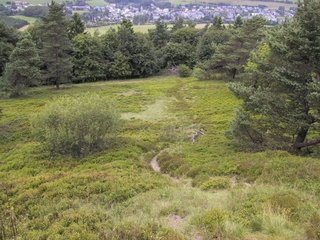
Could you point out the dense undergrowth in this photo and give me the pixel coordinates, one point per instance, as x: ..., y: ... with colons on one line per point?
x: 218, y: 191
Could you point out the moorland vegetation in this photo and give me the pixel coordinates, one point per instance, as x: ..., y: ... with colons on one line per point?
x: 75, y: 158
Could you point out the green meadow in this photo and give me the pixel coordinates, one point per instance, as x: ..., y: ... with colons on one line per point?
x: 208, y: 189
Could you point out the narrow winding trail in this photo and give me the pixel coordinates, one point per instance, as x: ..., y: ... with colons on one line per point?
x: 154, y: 164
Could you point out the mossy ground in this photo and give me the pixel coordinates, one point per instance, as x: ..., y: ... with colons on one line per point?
x: 114, y: 194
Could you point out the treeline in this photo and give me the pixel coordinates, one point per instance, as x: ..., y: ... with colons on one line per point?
x: 57, y: 50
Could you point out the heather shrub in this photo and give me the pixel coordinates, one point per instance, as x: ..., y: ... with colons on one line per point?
x: 212, y: 222
x: 216, y: 183
x: 76, y: 126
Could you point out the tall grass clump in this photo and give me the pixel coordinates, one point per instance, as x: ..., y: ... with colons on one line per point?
x: 76, y: 126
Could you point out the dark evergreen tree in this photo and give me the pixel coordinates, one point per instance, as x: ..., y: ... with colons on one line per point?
x: 210, y: 41
x: 76, y: 26
x: 87, y: 58
x: 160, y: 36
x: 217, y: 22
x: 281, y: 95
x: 231, y: 57
x: 179, y: 23
x: 22, y: 70
x: 56, y: 46
x: 8, y: 39
x: 238, y: 22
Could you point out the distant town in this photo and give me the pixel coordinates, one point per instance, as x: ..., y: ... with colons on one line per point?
x: 148, y: 13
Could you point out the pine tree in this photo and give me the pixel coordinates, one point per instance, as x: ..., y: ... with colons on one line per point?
x: 8, y: 39
x: 179, y: 23
x: 56, y: 45
x: 217, y: 22
x: 281, y: 95
x: 76, y: 26
x: 160, y: 36
x: 22, y: 70
x: 238, y: 22
x: 232, y: 56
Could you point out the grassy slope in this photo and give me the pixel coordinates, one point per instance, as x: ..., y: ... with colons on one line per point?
x: 115, y: 194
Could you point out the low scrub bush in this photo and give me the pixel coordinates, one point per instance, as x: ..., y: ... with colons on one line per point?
x: 201, y: 74
x: 184, y: 71
x: 212, y: 222
x: 170, y: 163
x: 216, y: 183
x: 76, y: 125
x: 199, y: 179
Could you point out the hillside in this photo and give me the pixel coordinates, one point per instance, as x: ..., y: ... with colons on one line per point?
x: 204, y: 190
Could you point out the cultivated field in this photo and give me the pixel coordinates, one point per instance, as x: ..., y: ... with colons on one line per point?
x: 137, y: 28
x: 204, y: 190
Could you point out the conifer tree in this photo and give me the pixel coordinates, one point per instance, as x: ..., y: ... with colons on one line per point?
x: 238, y: 22
x: 56, y: 45
x: 22, y: 70
x: 76, y: 26
x: 8, y: 39
x: 232, y: 56
x: 217, y: 22
x: 160, y: 36
x: 281, y: 95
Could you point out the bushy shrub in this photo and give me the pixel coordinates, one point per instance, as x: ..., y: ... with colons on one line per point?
x: 76, y: 125
x: 199, y: 179
x: 212, y: 222
x: 184, y: 71
x: 201, y: 74
x: 170, y: 163
x: 216, y: 183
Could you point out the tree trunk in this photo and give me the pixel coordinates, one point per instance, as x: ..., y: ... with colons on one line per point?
x: 301, y: 137
x: 234, y: 73
x: 57, y: 84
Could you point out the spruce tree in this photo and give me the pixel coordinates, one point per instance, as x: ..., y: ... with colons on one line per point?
x: 56, y: 45
x: 76, y: 26
x: 8, y: 39
x: 217, y: 22
x: 281, y: 94
x: 160, y: 36
x: 22, y: 70
x: 232, y: 56
x: 238, y: 22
